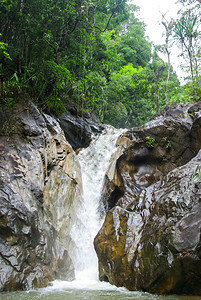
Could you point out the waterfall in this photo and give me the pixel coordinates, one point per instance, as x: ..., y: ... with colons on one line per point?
x: 94, y: 162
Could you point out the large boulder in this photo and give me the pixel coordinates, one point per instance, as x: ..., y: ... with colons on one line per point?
x: 150, y: 239
x: 145, y: 154
x: 79, y: 131
x: 39, y: 180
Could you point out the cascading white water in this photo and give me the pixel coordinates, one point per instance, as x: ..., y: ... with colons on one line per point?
x: 94, y: 162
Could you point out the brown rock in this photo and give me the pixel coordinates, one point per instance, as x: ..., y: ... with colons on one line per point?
x: 150, y: 239
x: 147, y: 153
x: 39, y: 180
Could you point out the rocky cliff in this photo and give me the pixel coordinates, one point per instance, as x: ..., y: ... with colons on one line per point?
x: 150, y: 239
x: 39, y: 180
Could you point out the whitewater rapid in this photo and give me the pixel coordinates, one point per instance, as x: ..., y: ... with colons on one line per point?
x: 94, y: 162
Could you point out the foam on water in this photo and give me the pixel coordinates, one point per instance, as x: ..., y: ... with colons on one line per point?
x: 84, y: 284
x: 94, y: 162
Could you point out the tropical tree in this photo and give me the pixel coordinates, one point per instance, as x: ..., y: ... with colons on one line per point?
x: 93, y: 54
x: 53, y: 44
x: 168, y: 31
x: 186, y: 31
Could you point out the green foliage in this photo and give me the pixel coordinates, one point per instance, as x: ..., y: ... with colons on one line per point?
x: 186, y: 31
x: 49, y: 85
x: 150, y: 141
x: 197, y: 175
x: 54, y: 47
x: 142, y: 91
x: 92, y: 53
x: 89, y: 92
x: 55, y: 105
x: 3, y: 51
x: 116, y: 114
x: 134, y: 46
x: 130, y: 87
x: 9, y: 102
x: 111, y: 59
x: 168, y: 143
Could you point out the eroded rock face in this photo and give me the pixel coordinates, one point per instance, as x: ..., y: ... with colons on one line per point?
x: 150, y: 239
x: 39, y: 180
x: 145, y: 154
x: 79, y: 131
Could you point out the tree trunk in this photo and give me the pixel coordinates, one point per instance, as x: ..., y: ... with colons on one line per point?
x: 167, y: 33
x: 168, y: 76
x: 1, y: 86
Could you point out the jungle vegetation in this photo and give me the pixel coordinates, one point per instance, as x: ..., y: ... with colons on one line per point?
x: 93, y: 55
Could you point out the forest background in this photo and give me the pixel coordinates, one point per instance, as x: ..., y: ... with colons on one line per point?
x: 92, y: 56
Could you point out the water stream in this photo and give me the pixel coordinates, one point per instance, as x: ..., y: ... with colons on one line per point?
x: 94, y: 162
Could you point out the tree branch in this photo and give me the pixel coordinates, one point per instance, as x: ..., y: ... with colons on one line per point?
x: 107, y: 23
x: 112, y: 14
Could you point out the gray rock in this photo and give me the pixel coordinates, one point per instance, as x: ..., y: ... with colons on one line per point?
x: 38, y: 169
x: 150, y: 239
x: 79, y: 131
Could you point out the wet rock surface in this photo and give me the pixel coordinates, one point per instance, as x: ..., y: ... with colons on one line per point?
x: 39, y: 179
x: 79, y: 131
x: 145, y: 154
x: 150, y: 239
